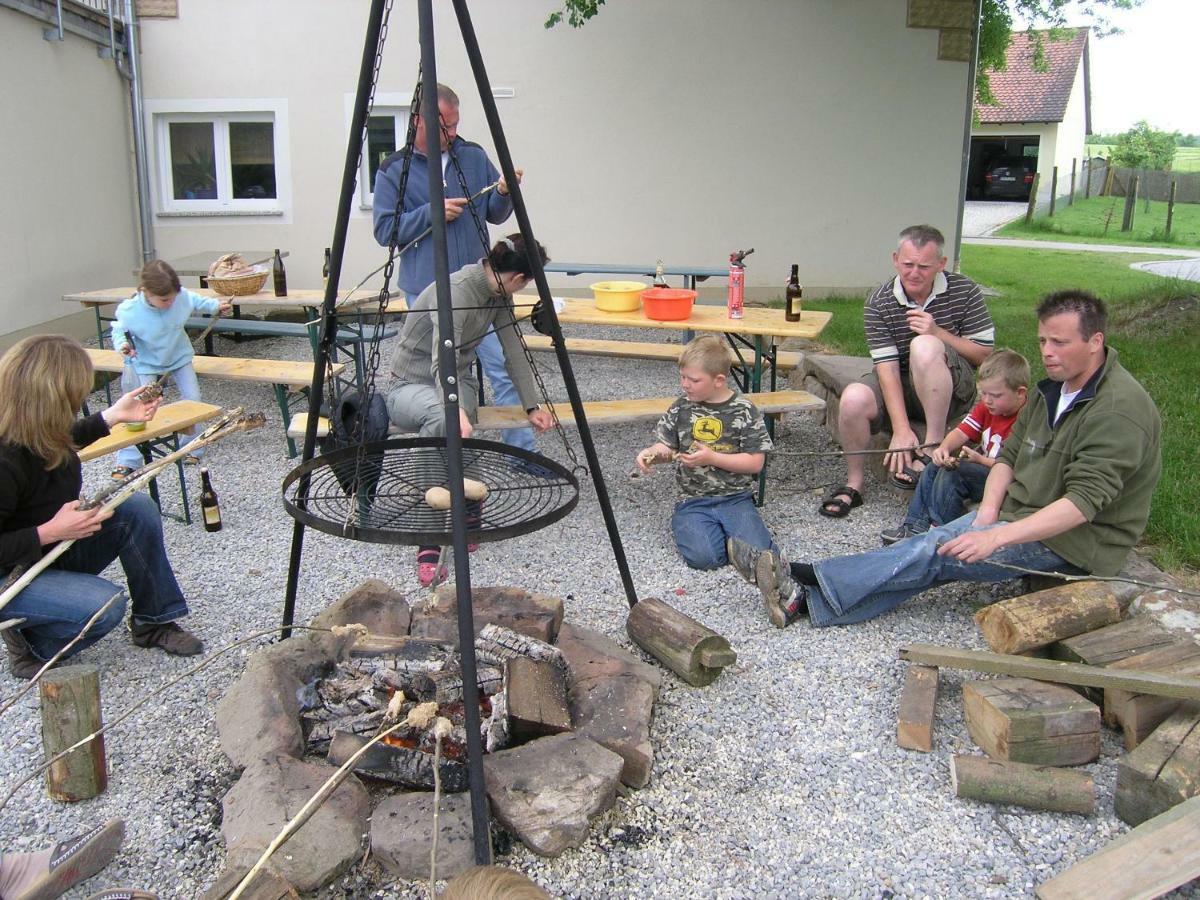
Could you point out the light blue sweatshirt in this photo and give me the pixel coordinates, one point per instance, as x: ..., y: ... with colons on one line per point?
x: 159, y: 338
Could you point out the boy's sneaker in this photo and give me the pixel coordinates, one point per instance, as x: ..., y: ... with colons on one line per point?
x: 785, y: 600
x: 901, y: 532
x: 742, y: 557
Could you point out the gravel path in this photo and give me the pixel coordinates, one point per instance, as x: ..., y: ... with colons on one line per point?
x: 782, y: 779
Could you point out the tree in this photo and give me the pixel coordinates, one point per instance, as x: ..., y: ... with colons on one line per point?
x: 1141, y: 147
x: 995, y: 27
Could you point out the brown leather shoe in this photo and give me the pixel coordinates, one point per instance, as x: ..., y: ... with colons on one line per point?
x: 21, y: 659
x: 168, y: 637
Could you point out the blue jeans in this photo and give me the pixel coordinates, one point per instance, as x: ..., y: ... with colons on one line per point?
x: 942, y: 494
x: 865, y: 585
x: 189, y: 389
x: 700, y: 526
x: 491, y: 357
x: 57, y: 603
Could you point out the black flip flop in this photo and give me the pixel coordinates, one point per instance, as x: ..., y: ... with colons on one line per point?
x: 841, y: 508
x: 907, y: 479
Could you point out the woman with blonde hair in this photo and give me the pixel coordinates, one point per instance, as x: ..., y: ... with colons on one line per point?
x: 43, y: 382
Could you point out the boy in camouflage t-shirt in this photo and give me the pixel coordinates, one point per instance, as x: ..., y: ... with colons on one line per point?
x: 719, y: 441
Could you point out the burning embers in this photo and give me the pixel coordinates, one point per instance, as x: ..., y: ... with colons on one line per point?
x: 341, y: 711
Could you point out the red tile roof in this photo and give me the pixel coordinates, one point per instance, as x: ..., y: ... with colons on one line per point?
x: 1026, y: 95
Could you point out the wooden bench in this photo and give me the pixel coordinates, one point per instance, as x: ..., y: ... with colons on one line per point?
x: 289, y: 379
x: 160, y: 436
x: 785, y: 360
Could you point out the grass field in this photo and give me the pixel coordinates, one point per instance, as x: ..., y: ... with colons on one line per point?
x: 1187, y: 159
x: 1155, y: 327
x: 1098, y: 220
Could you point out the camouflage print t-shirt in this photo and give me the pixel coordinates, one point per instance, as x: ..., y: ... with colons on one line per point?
x: 735, y: 426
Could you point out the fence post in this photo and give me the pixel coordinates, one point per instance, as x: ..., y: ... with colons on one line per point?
x: 1053, y: 189
x: 1130, y: 202
x: 1110, y: 174
x: 1033, y: 189
x: 1087, y: 178
x: 1171, y: 206
x: 1071, y: 196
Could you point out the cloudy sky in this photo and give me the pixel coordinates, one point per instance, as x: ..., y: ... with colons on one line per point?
x: 1148, y: 72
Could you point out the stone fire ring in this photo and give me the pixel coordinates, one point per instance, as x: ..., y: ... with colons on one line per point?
x: 545, y: 791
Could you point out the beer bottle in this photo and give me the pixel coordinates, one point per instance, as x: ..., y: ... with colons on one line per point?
x: 660, y: 280
x: 325, y: 269
x: 209, y: 508
x: 792, y: 293
x: 279, y: 275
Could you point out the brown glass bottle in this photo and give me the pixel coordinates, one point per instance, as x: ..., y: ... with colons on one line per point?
x: 279, y: 274
x: 210, y: 509
x: 792, y: 294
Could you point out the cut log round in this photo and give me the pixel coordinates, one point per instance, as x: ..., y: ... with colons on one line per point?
x: 1034, y: 620
x: 1035, y: 787
x: 692, y: 651
x: 70, y: 712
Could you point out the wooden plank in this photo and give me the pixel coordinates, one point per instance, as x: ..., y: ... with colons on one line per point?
x: 293, y: 373
x: 1034, y: 620
x: 1139, y: 714
x: 1156, y: 857
x: 784, y: 359
x: 918, y: 702
x: 1034, y: 787
x: 170, y: 419
x: 70, y: 700
x: 536, y: 697
x: 1029, y: 721
x: 1163, y: 770
x: 1052, y: 670
x: 1107, y: 645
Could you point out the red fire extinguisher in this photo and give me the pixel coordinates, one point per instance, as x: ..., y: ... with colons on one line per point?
x: 737, y: 282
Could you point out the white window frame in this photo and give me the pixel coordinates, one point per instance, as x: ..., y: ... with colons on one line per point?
x: 389, y: 103
x: 159, y: 116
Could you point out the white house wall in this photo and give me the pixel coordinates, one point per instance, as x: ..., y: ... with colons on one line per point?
x: 681, y: 129
x: 66, y: 178
x: 1072, y: 136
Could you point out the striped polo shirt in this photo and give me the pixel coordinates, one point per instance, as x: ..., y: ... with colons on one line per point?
x: 956, y: 304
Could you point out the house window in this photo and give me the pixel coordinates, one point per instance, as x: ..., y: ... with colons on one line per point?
x: 386, y: 132
x: 220, y: 158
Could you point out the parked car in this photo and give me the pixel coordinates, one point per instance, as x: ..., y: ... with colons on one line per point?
x: 1009, y: 177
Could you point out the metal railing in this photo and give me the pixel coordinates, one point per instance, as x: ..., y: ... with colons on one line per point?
x: 95, y: 20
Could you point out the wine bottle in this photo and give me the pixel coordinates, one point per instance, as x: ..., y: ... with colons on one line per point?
x: 210, y: 509
x: 279, y: 275
x: 325, y: 269
x: 792, y: 293
x: 660, y: 280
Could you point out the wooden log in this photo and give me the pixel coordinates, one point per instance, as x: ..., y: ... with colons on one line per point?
x: 918, y: 702
x: 401, y: 765
x: 446, y: 686
x: 535, y: 693
x: 1107, y: 645
x: 1028, y: 721
x: 498, y: 644
x: 70, y: 712
x: 1139, y: 714
x: 694, y: 652
x: 1158, y: 856
x: 1163, y: 770
x: 1159, y: 685
x: 399, y: 648
x: 1034, y: 787
x: 1034, y: 620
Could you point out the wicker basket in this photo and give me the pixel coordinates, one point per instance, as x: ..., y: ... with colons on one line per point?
x: 239, y: 285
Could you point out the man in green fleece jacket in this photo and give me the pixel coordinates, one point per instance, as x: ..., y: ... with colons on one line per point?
x: 1070, y: 492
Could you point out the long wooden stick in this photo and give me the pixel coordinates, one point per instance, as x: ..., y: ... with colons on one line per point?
x: 226, y: 426
x: 154, y: 390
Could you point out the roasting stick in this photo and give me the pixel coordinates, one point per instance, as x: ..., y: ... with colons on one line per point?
x: 231, y: 423
x: 154, y: 390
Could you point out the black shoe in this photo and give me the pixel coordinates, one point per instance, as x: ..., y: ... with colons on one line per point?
x: 901, y: 532
x: 169, y: 638
x: 22, y: 661
x: 785, y: 600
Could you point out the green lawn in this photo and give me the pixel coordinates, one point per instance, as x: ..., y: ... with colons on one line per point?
x: 1098, y: 220
x: 1187, y: 159
x: 1155, y: 326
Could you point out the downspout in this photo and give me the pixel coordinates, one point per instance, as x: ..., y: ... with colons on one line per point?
x: 968, y: 121
x: 133, y: 75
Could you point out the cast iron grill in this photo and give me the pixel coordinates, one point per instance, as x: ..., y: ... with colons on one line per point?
x: 376, y: 493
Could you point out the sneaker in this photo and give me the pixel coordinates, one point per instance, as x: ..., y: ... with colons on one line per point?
x: 901, y: 532
x: 22, y: 661
x: 76, y: 860
x: 742, y: 557
x: 168, y: 637
x: 120, y: 473
x: 123, y: 894
x: 785, y: 600
x: 191, y: 460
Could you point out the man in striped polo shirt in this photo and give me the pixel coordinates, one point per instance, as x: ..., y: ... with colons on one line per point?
x: 928, y: 330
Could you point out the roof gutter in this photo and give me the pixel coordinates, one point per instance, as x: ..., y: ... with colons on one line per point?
x: 132, y: 73
x: 968, y: 118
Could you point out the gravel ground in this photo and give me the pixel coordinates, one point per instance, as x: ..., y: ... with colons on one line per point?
x: 782, y: 779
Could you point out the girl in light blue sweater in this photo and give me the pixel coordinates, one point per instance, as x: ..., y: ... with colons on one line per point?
x: 149, y: 332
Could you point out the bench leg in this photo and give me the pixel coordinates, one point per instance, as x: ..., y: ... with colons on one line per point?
x: 147, y: 458
x: 281, y: 399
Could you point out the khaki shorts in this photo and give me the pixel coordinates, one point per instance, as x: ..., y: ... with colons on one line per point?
x: 962, y: 377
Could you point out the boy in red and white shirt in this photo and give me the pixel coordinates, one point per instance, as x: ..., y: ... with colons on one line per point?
x: 958, y: 472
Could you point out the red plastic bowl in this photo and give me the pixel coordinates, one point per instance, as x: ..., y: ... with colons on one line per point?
x: 667, y: 304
